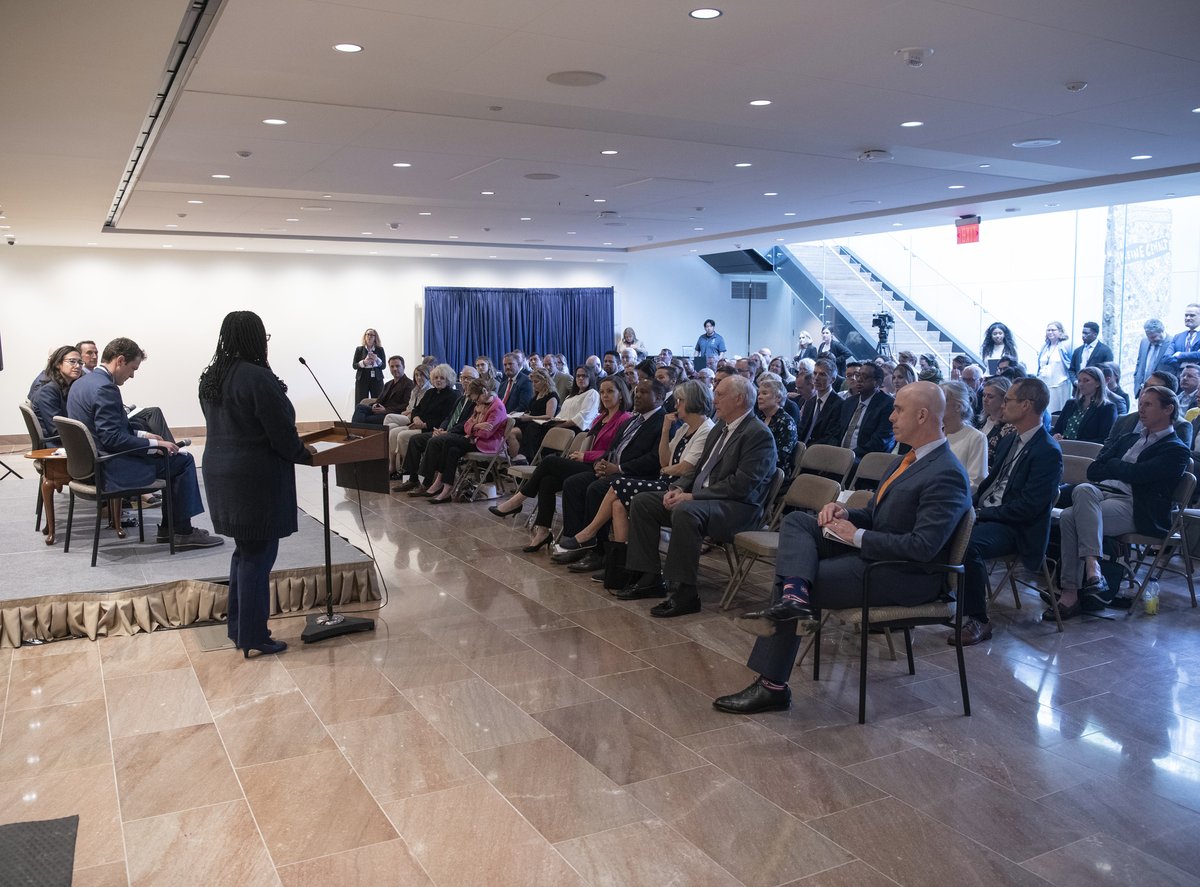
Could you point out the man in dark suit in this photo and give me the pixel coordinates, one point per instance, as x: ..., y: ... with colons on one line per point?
x: 1129, y: 490
x: 864, y: 425
x: 1012, y: 505
x: 823, y: 411
x: 1151, y: 351
x: 1092, y: 352
x: 392, y: 399
x: 1185, y: 346
x: 95, y: 400
x: 516, y: 390
x: 634, y: 453
x: 822, y: 559
x: 722, y: 498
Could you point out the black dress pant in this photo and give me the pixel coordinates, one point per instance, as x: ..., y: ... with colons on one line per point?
x: 546, y: 481
x: 444, y: 452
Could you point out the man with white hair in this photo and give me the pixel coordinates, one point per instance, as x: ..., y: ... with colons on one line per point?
x: 723, y: 497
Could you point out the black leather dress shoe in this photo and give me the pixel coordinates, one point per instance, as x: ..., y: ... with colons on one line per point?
x: 754, y: 699
x: 563, y: 556
x: 675, y: 606
x: 765, y: 623
x: 590, y: 563
x: 641, y: 589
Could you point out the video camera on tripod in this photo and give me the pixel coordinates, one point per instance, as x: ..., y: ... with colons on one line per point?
x: 884, y: 322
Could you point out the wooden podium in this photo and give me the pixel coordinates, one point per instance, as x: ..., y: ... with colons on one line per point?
x: 360, y: 462
x: 358, y: 452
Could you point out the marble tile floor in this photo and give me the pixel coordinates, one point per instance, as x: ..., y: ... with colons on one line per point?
x: 509, y: 723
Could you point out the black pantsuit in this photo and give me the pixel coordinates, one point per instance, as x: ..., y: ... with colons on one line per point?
x: 249, y: 575
x: 444, y: 452
x: 547, y: 480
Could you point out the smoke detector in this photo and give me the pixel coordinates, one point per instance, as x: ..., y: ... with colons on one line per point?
x: 914, y: 56
x: 875, y: 155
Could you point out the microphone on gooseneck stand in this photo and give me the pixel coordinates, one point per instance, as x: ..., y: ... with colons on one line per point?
x: 345, y: 425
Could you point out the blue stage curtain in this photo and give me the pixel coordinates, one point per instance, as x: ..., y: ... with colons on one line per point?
x: 462, y: 323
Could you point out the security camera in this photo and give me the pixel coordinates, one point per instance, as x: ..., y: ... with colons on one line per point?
x: 243, y: 154
x: 395, y: 226
x: 12, y: 241
x: 914, y: 56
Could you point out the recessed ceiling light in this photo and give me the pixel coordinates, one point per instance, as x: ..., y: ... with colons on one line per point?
x: 760, y: 103
x: 526, y: 219
x: 366, y: 234
x: 570, y: 232
x: 197, y: 202
x: 487, y: 193
x: 402, y: 165
x: 705, y: 13
x: 956, y: 187
x: 575, y: 78
x: 275, y: 121
x: 1169, y: 194
x: 491, y: 257
x: 599, y: 260
x: 607, y: 243
x: 897, y: 224
x: 1196, y: 110
x: 1044, y: 142
x: 453, y: 237
x: 91, y: 243
x: 172, y: 226
x: 433, y: 255
x: 347, y: 47
x: 912, y: 124
x: 240, y: 248
x: 218, y: 175
x: 779, y: 240
x: 326, y: 196
x: 1050, y: 205
x: 743, y: 165
x: 373, y: 253
x: 424, y: 214
x: 985, y: 166
x: 308, y: 250
x: 609, y: 151
x: 599, y: 200
x: 291, y: 220
x: 168, y: 246
x: 1141, y: 157
x: 770, y: 193
x: 547, y: 259
x: 697, y: 229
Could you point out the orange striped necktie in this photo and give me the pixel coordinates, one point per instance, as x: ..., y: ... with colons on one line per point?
x: 909, y: 458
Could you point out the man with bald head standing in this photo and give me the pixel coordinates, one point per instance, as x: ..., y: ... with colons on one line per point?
x: 912, y: 517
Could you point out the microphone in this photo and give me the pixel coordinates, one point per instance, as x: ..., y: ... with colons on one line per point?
x: 349, y: 436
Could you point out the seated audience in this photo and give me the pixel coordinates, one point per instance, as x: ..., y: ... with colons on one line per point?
x: 419, y: 469
x: 483, y: 432
x: 629, y: 339
x: 48, y: 396
x: 902, y: 375
x: 1189, y: 386
x: 1112, y: 381
x: 912, y: 517
x: 770, y: 409
x: 393, y: 399
x: 1013, y: 504
x: 994, y: 427
x: 779, y: 368
x: 1131, y: 422
x: 968, y: 443
x: 95, y: 400
x: 822, y: 413
x: 436, y: 400
x: 633, y: 455
x: 864, y: 425
x: 515, y: 389
x: 520, y: 442
x: 547, y: 479
x: 1128, y: 491
x: 1091, y: 413
x: 723, y: 497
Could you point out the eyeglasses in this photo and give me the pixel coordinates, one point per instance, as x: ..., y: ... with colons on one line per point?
x: 74, y: 361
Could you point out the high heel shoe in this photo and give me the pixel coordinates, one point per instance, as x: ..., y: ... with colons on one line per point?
x: 264, y: 648
x: 541, y: 543
x: 495, y: 509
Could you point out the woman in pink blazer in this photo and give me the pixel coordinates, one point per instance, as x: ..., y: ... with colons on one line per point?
x: 483, y: 433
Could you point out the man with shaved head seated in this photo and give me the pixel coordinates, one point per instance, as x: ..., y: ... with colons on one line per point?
x: 912, y: 517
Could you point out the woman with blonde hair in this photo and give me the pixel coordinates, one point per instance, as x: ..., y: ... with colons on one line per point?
x: 430, y: 410
x: 369, y: 361
x: 483, y: 433
x: 527, y: 428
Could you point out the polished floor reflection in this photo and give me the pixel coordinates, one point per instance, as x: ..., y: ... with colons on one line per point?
x: 509, y: 723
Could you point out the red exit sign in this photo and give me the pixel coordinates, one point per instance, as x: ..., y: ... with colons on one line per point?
x: 968, y: 229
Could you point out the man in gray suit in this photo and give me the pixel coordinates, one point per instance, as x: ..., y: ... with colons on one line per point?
x: 822, y: 559
x: 722, y: 498
x: 1151, y: 350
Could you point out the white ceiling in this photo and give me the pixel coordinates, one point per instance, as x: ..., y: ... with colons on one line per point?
x: 458, y: 89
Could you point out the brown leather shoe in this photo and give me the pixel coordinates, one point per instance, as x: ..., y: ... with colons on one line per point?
x: 973, y: 632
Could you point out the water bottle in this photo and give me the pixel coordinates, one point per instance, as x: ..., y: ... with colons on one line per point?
x: 1150, y: 598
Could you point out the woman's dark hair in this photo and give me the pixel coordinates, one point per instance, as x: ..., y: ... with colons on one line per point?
x: 52, y: 371
x: 624, y: 401
x: 242, y: 337
x: 592, y: 378
x: 647, y: 368
x: 1008, y: 348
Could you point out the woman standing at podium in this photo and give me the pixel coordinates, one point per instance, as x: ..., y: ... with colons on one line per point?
x: 249, y: 478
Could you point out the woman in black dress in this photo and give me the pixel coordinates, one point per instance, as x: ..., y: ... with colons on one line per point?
x: 526, y: 435
x: 833, y: 349
x: 369, y: 361
x: 48, y: 396
x: 249, y: 479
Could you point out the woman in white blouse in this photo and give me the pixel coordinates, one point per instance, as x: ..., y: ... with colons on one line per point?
x: 1054, y: 365
x: 967, y: 442
x: 582, y: 405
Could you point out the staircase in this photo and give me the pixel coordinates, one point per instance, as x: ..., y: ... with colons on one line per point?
x: 848, y: 286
